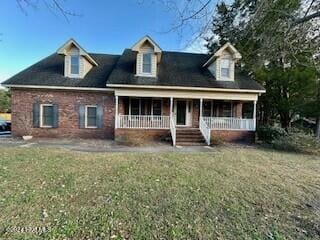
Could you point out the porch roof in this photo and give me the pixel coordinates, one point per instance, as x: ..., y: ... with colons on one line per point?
x: 185, y: 94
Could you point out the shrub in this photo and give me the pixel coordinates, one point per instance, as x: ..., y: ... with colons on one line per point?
x: 297, y: 141
x: 216, y: 141
x: 268, y: 133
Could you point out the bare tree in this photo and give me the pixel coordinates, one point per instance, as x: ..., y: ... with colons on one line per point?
x: 54, y: 6
x: 195, y: 16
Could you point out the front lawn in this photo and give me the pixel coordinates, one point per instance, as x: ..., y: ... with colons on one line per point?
x: 233, y: 193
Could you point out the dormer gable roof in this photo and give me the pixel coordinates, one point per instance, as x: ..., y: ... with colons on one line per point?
x: 71, y: 42
x: 229, y: 47
x: 136, y: 47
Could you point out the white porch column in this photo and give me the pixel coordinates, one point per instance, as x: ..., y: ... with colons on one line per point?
x: 116, y: 117
x: 254, y: 114
x: 201, y: 103
x: 171, y: 107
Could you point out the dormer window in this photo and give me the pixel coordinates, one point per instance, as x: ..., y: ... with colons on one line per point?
x: 225, y: 68
x: 75, y: 65
x: 148, y: 57
x: 222, y: 63
x: 77, y: 62
x: 147, y: 63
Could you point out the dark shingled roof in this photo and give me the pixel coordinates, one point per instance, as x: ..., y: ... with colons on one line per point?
x: 177, y: 69
x: 50, y: 72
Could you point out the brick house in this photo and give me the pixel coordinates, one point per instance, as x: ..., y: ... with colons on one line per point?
x: 141, y: 95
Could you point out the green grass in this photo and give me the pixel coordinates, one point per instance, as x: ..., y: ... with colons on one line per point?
x: 229, y: 194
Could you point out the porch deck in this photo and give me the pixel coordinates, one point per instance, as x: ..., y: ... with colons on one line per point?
x: 161, y: 114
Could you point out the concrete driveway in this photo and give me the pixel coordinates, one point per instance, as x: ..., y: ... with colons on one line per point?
x: 86, y: 145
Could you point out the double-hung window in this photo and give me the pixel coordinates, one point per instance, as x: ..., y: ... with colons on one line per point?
x: 156, y: 107
x: 135, y: 106
x: 146, y: 63
x: 75, y: 65
x: 225, y: 68
x: 91, y: 117
x: 46, y: 115
x: 207, y: 109
x: 141, y: 106
x: 225, y: 109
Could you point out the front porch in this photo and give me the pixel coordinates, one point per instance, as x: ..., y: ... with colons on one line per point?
x: 158, y: 117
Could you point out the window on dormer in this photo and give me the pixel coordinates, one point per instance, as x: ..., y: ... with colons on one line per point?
x: 225, y: 68
x: 75, y: 65
x: 146, y: 63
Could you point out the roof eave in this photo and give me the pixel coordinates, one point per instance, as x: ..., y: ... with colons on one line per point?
x: 257, y: 91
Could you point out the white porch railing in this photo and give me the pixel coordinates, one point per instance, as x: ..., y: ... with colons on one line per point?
x: 143, y: 121
x: 173, y: 131
x: 229, y: 123
x: 205, y: 130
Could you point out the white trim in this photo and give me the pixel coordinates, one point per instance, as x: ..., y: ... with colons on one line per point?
x: 86, y: 116
x: 201, y: 107
x: 62, y: 50
x: 225, y: 78
x: 138, y: 44
x: 58, y: 87
x: 185, y: 88
x: 235, y: 53
x: 144, y: 121
x: 112, y: 86
x: 41, y: 115
x: 143, y: 63
x: 117, y: 110
x: 188, y: 115
x: 74, y: 75
x: 230, y: 123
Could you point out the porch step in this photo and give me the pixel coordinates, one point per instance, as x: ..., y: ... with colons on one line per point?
x: 191, y: 144
x: 189, y: 137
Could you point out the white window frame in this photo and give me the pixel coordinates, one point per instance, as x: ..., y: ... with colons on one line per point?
x: 151, y: 56
x: 75, y: 74
x: 229, y: 61
x: 86, y: 116
x: 41, y: 115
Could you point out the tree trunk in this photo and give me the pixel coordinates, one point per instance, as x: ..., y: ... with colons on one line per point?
x: 318, y: 128
x: 285, y: 120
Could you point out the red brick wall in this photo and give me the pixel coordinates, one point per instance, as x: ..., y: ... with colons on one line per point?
x: 232, y: 136
x: 68, y: 101
x: 140, y: 136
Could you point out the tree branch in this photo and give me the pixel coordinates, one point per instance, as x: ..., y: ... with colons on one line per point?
x: 53, y: 5
x: 307, y: 18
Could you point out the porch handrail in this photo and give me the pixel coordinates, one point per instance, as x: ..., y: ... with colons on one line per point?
x: 144, y: 121
x: 205, y: 130
x: 173, y: 131
x: 230, y: 123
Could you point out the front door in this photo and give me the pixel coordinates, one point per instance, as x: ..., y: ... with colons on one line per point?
x: 181, y: 112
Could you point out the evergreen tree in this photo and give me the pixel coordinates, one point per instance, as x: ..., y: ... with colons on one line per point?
x: 4, y: 101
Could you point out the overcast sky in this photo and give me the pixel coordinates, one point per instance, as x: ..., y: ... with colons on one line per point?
x: 103, y: 27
